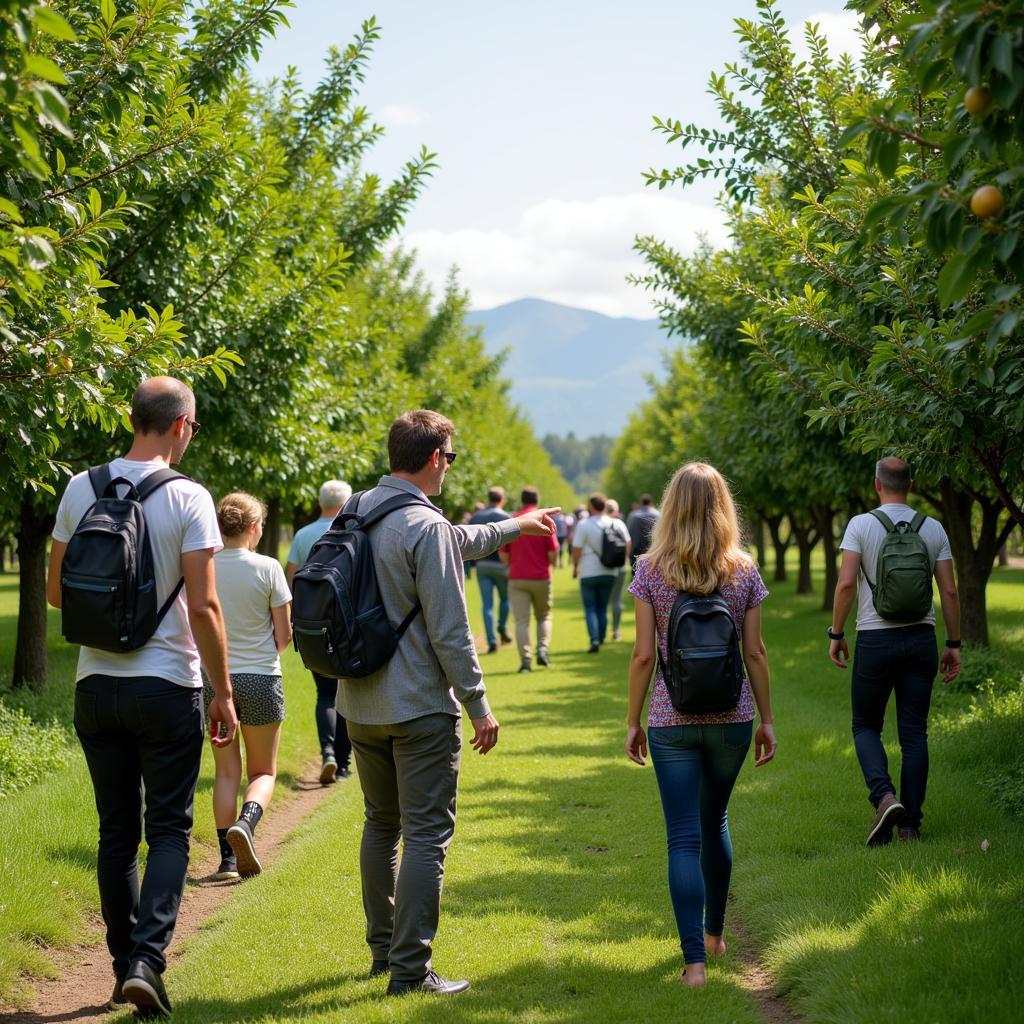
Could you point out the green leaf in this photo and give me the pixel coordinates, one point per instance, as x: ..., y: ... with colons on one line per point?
x: 9, y: 210
x: 49, y: 21
x: 108, y: 11
x: 53, y: 108
x: 955, y: 279
x: 38, y: 252
x: 889, y: 156
x: 987, y: 376
x: 1002, y: 54
x: 42, y: 67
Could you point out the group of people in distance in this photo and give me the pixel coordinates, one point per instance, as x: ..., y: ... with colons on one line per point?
x: 520, y: 575
x: 140, y: 718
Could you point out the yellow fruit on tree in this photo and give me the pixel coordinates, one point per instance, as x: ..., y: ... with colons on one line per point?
x: 978, y: 100
x: 66, y: 363
x: 987, y: 202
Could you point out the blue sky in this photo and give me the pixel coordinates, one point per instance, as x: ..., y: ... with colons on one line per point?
x: 540, y: 114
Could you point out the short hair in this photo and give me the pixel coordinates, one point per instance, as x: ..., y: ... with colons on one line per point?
x: 413, y: 438
x: 646, y: 499
x: 236, y: 512
x: 154, y: 409
x: 893, y: 474
x: 530, y: 496
x: 598, y: 502
x: 495, y: 494
x: 334, y: 493
x: 611, y: 506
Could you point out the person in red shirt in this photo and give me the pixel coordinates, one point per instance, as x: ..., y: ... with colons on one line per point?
x: 529, y: 563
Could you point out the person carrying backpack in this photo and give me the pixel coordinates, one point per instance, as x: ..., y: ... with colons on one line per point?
x: 131, y: 567
x: 404, y: 717
x: 889, y: 558
x: 698, y: 597
x: 600, y: 551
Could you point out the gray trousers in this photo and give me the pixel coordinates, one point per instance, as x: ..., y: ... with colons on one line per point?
x: 409, y: 774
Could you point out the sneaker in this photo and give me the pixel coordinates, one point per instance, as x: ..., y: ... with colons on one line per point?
x: 887, y: 816
x: 144, y: 988
x: 616, y: 635
x: 525, y: 666
x: 344, y: 772
x: 492, y: 647
x: 908, y: 834
x: 328, y: 769
x: 379, y: 967
x: 542, y: 657
x: 117, y: 997
x: 240, y: 838
x: 594, y: 647
x: 430, y: 982
x: 504, y: 637
x: 228, y: 869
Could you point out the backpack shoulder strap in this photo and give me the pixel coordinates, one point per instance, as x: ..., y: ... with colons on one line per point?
x: 156, y: 480
x: 916, y: 523
x: 883, y: 519
x: 385, y: 508
x: 99, y: 477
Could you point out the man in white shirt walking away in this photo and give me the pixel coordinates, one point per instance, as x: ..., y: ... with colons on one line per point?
x: 139, y: 713
x: 594, y: 564
x: 889, y: 557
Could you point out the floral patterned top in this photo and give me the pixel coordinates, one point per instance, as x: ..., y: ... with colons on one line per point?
x: 745, y: 590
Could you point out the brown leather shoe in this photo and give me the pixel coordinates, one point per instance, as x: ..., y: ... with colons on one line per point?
x: 887, y: 816
x: 908, y: 834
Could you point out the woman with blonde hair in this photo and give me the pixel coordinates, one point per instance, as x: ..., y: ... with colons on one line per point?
x: 256, y: 602
x: 697, y: 754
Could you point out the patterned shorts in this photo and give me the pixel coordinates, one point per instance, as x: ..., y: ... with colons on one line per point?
x: 258, y: 700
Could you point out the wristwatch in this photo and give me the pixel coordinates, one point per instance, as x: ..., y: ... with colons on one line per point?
x: 835, y: 636
x: 953, y: 644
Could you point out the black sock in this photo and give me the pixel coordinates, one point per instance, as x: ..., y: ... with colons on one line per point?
x: 225, y: 846
x: 251, y: 814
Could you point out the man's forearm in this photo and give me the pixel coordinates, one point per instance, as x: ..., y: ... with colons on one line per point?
x: 841, y: 605
x: 208, y: 629
x: 484, y: 538
x: 951, y: 615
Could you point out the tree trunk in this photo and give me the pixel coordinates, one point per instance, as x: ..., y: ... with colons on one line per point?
x: 270, y: 542
x: 806, y: 541
x: 302, y: 516
x: 759, y: 545
x: 1004, y: 557
x: 30, y: 647
x: 974, y: 557
x: 826, y: 530
x: 774, y: 524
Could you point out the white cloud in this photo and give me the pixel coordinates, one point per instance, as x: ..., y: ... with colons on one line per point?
x: 840, y: 29
x: 401, y: 115
x: 577, y: 252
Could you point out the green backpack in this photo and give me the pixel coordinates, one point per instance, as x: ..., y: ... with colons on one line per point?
x: 902, y: 590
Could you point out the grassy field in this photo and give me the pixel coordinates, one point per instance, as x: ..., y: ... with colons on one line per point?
x: 556, y: 905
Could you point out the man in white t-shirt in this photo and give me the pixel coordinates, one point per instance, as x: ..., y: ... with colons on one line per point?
x: 890, y: 656
x: 139, y: 715
x: 597, y: 580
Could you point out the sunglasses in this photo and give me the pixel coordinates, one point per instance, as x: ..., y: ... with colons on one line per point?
x: 195, y: 425
x: 449, y: 457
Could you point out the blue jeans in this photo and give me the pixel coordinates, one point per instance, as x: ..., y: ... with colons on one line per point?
x: 493, y: 576
x: 905, y: 661
x: 696, y: 766
x: 596, y: 591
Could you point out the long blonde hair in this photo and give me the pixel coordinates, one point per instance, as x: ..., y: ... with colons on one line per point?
x: 696, y: 540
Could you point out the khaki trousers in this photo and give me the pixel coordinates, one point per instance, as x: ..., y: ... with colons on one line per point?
x: 524, y: 596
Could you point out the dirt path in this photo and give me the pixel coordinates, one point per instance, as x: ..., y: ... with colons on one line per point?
x: 85, y: 981
x: 754, y: 977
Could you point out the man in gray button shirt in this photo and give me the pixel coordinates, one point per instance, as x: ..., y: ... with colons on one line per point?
x: 405, y: 719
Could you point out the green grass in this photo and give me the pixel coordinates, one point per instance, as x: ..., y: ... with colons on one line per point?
x: 556, y: 905
x: 48, y: 852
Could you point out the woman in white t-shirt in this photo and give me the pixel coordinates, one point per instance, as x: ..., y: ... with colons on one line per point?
x: 256, y: 601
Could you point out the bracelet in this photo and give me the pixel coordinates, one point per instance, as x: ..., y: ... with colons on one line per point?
x: 953, y: 645
x: 835, y: 636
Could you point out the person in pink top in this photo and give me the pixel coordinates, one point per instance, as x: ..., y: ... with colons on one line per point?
x: 695, y: 549
x: 529, y: 562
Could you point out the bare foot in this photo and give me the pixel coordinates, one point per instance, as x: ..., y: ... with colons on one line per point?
x: 715, y: 945
x: 693, y: 976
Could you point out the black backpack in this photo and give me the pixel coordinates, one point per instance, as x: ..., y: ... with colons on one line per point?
x: 107, y: 580
x: 340, y: 626
x: 704, y: 671
x: 613, y: 548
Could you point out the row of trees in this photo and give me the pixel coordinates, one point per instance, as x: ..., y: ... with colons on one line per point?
x: 869, y: 302
x: 164, y: 213
x: 581, y: 460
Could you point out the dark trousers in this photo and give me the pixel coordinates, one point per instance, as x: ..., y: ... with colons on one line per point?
x: 409, y: 774
x: 597, y: 592
x: 903, y: 661
x: 143, y: 742
x: 696, y: 767
x: 330, y: 726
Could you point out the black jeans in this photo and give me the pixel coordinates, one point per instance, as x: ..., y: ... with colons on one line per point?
x: 904, y: 660
x: 141, y: 735
x: 330, y: 726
